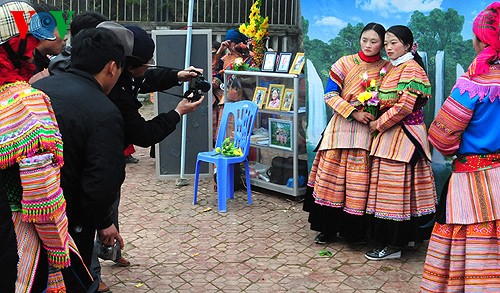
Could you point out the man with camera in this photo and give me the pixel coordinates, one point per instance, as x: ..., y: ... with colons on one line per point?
x: 139, y: 77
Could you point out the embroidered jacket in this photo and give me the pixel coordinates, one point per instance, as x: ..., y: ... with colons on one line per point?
x: 402, y: 93
x: 467, y: 126
x: 341, y: 94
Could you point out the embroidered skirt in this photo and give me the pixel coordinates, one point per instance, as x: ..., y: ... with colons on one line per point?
x: 399, y: 191
x: 340, y: 178
x: 463, y: 258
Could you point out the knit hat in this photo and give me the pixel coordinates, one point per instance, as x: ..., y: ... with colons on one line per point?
x: 234, y: 35
x: 144, y: 47
x: 125, y: 36
x: 9, y: 27
x: 486, y: 28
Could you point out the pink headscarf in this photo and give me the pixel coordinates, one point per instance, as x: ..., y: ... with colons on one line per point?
x: 486, y: 28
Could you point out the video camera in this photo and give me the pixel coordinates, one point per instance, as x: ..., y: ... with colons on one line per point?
x: 197, y: 85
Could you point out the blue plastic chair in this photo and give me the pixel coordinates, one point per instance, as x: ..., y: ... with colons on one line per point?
x: 244, y: 113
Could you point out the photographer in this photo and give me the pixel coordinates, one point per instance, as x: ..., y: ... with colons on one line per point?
x: 139, y: 78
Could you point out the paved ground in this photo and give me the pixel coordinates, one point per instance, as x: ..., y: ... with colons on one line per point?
x: 175, y: 246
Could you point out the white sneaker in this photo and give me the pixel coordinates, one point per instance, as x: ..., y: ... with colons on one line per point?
x: 385, y: 253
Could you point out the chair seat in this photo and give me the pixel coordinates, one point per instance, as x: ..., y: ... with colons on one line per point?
x: 213, y: 157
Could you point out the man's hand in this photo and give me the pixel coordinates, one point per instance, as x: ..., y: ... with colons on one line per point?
x: 187, y: 106
x: 108, y: 236
x: 188, y: 73
x: 363, y: 117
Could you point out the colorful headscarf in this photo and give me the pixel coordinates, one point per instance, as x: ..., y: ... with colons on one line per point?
x: 486, y: 28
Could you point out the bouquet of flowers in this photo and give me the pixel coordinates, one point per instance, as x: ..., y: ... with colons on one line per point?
x: 257, y: 26
x: 369, y: 98
x: 256, y: 30
x: 228, y: 149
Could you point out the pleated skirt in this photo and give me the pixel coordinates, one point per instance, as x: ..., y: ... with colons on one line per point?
x: 399, y: 191
x: 463, y: 258
x: 340, y: 178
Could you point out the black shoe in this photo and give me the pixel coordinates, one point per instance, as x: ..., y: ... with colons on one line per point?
x: 384, y: 253
x: 323, y: 238
x: 131, y: 159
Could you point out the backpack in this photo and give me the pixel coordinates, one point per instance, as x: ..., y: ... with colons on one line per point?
x: 282, y: 169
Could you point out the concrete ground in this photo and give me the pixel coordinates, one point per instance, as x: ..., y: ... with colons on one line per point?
x: 175, y: 246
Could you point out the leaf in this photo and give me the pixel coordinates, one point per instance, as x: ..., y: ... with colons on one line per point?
x: 325, y: 252
x: 206, y: 210
x: 139, y: 285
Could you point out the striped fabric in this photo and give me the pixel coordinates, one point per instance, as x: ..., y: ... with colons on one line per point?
x: 28, y: 124
x: 473, y: 197
x: 29, y: 137
x: 28, y: 249
x: 341, y: 178
x: 446, y: 129
x: 344, y: 86
x: 43, y: 203
x: 463, y: 258
x: 56, y: 283
x: 402, y: 93
x: 399, y: 192
x: 394, y: 144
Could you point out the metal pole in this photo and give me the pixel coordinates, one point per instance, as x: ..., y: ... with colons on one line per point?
x: 182, y: 181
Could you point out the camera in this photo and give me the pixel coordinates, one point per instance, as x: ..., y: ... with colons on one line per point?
x: 108, y: 252
x: 197, y: 85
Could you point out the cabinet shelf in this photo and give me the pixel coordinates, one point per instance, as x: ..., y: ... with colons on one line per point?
x: 278, y: 187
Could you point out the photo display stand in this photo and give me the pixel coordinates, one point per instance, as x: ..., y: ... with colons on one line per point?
x: 170, y: 52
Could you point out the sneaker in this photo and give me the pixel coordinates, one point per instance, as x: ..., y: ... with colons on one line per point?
x: 131, y: 159
x: 323, y: 238
x: 384, y: 253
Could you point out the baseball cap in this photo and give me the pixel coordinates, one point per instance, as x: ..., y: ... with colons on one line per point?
x: 144, y: 47
x: 8, y: 26
x: 125, y: 35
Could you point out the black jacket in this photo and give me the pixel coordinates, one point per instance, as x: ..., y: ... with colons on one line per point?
x: 138, y: 131
x: 92, y: 131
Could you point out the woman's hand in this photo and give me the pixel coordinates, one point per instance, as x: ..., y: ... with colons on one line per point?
x: 363, y: 117
x: 373, y: 126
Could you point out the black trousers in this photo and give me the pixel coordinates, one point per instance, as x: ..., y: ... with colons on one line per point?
x: 76, y: 277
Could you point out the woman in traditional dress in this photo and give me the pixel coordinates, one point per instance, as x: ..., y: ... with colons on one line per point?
x: 340, y: 174
x: 463, y: 253
x: 402, y: 193
x: 34, y: 240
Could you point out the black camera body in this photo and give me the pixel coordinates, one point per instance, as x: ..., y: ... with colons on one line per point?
x: 197, y: 85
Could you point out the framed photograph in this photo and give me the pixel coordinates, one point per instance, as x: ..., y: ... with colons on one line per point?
x: 287, y: 100
x: 280, y: 133
x: 274, y: 97
x: 284, y: 62
x: 259, y: 96
x: 269, y: 61
x: 297, y: 64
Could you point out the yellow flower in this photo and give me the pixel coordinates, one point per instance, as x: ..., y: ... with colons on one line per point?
x: 257, y: 26
x: 373, y: 83
x: 364, y: 96
x: 259, y: 35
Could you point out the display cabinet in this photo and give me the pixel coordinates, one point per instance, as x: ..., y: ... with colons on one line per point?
x: 270, y: 119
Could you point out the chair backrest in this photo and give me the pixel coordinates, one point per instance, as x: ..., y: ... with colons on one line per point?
x: 244, y: 113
